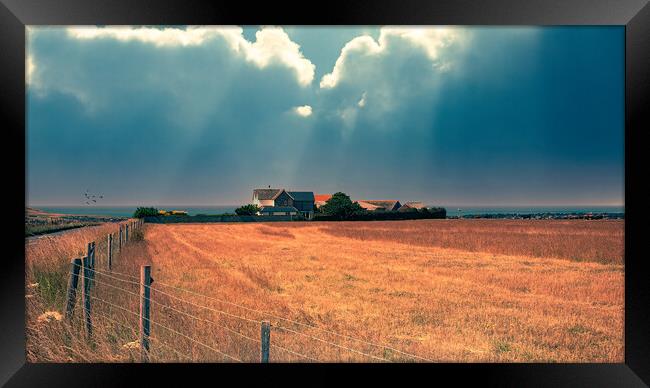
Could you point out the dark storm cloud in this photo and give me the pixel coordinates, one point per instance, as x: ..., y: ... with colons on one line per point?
x: 496, y: 115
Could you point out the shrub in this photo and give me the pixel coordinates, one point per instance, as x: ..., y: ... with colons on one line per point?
x: 340, y: 205
x: 437, y: 212
x: 142, y: 212
x: 247, y: 210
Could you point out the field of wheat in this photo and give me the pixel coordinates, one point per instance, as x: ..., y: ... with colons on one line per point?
x: 397, y: 291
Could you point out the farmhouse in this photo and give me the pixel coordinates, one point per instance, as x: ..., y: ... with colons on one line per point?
x: 301, y: 201
x: 389, y: 205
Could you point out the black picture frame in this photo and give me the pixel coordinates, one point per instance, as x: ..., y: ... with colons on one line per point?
x: 16, y: 14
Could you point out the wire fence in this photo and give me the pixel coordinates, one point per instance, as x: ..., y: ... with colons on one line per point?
x: 168, y: 315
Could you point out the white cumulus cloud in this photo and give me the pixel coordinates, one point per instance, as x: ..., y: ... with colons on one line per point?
x: 272, y: 44
x: 303, y: 111
x: 428, y: 39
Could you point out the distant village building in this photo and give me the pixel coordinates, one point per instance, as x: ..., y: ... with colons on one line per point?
x: 370, y: 207
x: 172, y: 212
x: 412, y: 206
x: 321, y: 199
x: 389, y: 205
x: 302, y: 202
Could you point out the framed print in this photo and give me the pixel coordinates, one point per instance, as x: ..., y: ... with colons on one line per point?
x: 419, y: 190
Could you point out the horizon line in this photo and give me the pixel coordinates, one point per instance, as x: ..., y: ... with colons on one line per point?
x: 432, y: 204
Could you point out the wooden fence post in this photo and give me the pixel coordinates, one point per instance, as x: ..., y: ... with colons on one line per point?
x: 110, y: 251
x: 85, y: 295
x: 72, y: 287
x: 145, y: 305
x: 120, y: 238
x: 91, y: 261
x: 126, y: 239
x: 266, y: 340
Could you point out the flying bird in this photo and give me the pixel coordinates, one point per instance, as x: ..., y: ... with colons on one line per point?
x: 92, y: 197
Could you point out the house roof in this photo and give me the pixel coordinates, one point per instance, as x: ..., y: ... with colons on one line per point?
x: 280, y: 192
x: 277, y: 209
x: 388, y: 204
x: 302, y: 195
x: 368, y: 206
x: 322, y: 197
x: 415, y: 204
x: 263, y: 194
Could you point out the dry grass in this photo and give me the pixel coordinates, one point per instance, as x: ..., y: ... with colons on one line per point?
x: 578, y: 240
x: 508, y: 291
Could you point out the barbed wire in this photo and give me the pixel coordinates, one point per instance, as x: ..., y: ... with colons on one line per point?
x: 267, y: 314
x: 135, y: 333
x: 264, y: 313
x: 196, y: 341
x: 206, y: 320
x: 185, y: 336
x: 235, y: 316
x: 126, y: 275
x: 111, y: 276
x: 171, y: 308
x: 167, y: 328
x: 205, y: 307
x: 93, y: 280
x: 118, y: 307
x: 330, y: 343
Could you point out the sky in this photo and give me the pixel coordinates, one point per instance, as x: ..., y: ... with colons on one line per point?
x: 194, y: 115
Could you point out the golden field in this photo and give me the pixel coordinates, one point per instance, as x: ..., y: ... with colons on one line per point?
x: 436, y: 290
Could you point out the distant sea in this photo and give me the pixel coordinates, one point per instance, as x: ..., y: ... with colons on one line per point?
x: 521, y: 210
x: 127, y: 211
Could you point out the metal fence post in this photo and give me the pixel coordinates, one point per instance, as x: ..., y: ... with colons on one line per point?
x: 266, y: 341
x: 145, y: 307
x: 72, y: 287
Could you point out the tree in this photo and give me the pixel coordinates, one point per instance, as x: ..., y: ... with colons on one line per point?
x: 142, y: 212
x: 247, y: 210
x: 340, y: 205
x: 438, y: 212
